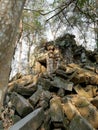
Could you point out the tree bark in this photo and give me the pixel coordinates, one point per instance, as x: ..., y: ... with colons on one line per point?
x: 10, y: 12
x: 96, y: 32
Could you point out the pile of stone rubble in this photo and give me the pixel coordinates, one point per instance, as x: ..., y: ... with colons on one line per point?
x: 55, y: 96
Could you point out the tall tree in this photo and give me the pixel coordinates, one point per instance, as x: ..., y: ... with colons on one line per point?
x: 10, y: 12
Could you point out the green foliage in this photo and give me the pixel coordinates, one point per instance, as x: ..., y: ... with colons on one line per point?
x: 81, y: 3
x: 80, y: 14
x: 31, y: 21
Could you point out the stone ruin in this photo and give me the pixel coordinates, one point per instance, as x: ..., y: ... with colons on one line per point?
x: 60, y: 93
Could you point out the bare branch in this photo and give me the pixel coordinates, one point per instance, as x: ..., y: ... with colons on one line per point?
x: 67, y: 20
x: 40, y: 11
x: 66, y: 5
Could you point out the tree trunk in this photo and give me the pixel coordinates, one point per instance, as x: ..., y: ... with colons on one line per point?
x: 97, y: 23
x: 10, y: 12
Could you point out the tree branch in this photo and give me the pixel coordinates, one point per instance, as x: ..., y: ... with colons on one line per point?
x: 86, y: 14
x: 66, y: 5
x: 40, y: 11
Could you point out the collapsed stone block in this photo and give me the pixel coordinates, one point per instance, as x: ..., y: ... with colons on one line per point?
x: 22, y: 106
x: 31, y: 122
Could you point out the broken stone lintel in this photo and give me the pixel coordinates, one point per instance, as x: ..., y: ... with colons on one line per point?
x: 31, y: 121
